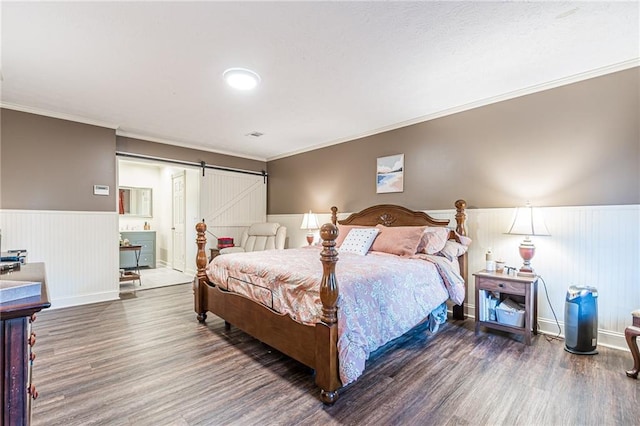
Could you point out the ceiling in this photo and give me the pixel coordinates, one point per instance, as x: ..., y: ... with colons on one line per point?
x: 331, y: 71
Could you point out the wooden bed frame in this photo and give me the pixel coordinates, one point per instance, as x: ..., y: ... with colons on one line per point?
x: 314, y: 346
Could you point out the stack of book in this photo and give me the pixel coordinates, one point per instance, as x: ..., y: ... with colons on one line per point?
x: 487, y: 303
x: 9, y: 266
x: 14, y: 256
x: 12, y: 259
x: 224, y: 242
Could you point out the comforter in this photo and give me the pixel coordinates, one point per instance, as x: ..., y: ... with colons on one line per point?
x: 382, y: 296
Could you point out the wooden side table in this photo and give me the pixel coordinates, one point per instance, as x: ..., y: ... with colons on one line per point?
x: 135, y: 274
x: 507, y: 285
x: 213, y: 252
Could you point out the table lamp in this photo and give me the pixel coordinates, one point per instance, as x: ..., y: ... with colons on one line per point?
x: 528, y: 222
x: 310, y: 223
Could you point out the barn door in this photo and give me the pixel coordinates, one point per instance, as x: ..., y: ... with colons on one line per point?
x: 230, y: 202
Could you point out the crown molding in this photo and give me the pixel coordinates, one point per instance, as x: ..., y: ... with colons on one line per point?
x: 461, y: 108
x: 598, y: 72
x: 58, y: 115
x: 141, y: 136
x: 120, y: 132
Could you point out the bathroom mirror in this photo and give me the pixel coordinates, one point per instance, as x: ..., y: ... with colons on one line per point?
x: 135, y: 201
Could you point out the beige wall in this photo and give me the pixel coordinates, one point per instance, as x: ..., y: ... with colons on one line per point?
x: 52, y: 164
x: 574, y: 145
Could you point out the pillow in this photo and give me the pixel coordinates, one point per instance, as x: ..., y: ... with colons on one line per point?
x: 399, y: 240
x: 358, y: 240
x: 465, y: 241
x: 452, y: 250
x: 433, y: 240
x: 343, y: 230
x: 268, y: 228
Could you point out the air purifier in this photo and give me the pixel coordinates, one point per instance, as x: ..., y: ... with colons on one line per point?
x: 581, y: 320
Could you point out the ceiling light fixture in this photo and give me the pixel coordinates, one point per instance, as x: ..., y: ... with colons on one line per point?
x: 241, y: 78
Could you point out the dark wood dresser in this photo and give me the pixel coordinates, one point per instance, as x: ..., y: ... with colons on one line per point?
x: 18, y: 338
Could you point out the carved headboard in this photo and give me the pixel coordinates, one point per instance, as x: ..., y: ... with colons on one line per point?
x: 394, y: 215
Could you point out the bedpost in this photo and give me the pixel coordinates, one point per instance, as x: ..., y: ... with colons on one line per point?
x: 329, y: 285
x: 458, y: 311
x: 461, y: 217
x: 199, y: 283
x: 327, y: 330
x: 334, y: 215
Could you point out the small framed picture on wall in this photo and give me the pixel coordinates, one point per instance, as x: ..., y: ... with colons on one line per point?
x: 390, y: 174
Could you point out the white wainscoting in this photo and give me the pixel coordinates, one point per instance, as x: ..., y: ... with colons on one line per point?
x: 598, y: 246
x: 80, y: 250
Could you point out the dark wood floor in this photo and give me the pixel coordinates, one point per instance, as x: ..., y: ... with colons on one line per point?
x: 145, y: 360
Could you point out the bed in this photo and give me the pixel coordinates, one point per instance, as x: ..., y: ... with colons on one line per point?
x: 243, y: 297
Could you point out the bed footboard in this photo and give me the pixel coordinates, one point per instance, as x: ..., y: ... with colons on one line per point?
x: 315, y: 346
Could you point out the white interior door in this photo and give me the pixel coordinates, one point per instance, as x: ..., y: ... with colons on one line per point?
x: 178, y: 244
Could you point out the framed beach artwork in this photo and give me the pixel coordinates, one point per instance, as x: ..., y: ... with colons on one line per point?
x: 390, y: 174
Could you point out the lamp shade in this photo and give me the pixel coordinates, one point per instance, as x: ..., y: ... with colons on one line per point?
x: 310, y: 221
x: 528, y: 221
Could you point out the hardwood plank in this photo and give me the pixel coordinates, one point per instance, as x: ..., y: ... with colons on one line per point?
x: 145, y: 360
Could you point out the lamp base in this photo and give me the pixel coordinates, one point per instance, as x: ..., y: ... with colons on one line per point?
x: 310, y: 239
x: 526, y: 273
x: 527, y: 251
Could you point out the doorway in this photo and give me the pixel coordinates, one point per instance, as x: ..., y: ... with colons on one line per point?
x: 178, y: 206
x: 167, y: 220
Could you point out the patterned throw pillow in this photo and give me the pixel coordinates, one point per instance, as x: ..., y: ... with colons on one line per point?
x: 359, y: 240
x: 343, y: 231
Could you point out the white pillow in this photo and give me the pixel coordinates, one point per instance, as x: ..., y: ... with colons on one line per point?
x: 359, y: 240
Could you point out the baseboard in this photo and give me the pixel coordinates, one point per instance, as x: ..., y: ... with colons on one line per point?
x: 190, y: 271
x: 607, y: 338
x: 84, y: 300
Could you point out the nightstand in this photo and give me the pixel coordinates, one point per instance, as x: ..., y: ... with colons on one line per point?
x: 520, y: 289
x: 213, y: 252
